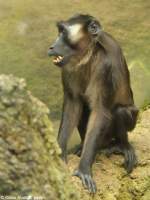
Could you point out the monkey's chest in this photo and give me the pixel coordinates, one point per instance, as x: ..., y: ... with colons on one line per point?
x: 77, y: 88
x: 75, y: 83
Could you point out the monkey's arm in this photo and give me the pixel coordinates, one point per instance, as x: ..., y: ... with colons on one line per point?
x: 70, y: 116
x: 98, y: 126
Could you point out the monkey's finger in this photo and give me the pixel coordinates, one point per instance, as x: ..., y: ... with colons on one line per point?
x: 93, y: 185
x: 90, y: 184
x: 83, y: 181
x: 94, y: 189
x: 129, y: 160
x: 126, y: 162
x: 87, y: 181
x: 81, y: 176
x: 76, y: 173
x: 132, y: 161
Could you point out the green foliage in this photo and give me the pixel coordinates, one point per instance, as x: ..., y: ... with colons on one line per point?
x: 27, y: 28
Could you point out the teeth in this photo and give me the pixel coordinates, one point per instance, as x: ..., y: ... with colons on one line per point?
x: 58, y: 59
x: 55, y: 60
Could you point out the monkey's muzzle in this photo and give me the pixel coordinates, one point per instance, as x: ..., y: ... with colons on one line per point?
x: 58, y: 59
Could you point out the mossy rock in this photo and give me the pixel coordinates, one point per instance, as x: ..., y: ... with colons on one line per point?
x: 29, y: 154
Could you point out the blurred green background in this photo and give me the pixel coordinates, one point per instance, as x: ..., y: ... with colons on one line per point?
x: 27, y: 28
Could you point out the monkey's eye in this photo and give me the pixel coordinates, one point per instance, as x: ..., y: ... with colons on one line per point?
x: 61, y: 27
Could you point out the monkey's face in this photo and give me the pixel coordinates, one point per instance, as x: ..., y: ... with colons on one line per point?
x: 65, y: 46
x: 74, y: 38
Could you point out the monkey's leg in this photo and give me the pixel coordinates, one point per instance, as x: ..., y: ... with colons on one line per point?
x: 82, y: 126
x: 70, y: 116
x: 129, y: 115
x: 122, y: 123
x: 97, y: 128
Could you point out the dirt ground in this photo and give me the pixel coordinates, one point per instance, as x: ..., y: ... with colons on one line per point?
x: 112, y: 181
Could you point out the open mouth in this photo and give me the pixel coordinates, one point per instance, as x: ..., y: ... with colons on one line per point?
x: 58, y: 59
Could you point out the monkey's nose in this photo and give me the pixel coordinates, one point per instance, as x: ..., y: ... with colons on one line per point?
x: 51, y: 48
x: 51, y: 51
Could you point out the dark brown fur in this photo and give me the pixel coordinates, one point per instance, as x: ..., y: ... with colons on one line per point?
x: 98, y: 100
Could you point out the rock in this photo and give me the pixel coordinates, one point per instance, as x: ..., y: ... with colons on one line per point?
x: 29, y: 155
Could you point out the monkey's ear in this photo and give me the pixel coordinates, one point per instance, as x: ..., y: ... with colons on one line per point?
x: 94, y: 28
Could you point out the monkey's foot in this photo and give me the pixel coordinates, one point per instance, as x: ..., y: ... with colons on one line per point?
x: 116, y: 149
x: 78, y: 150
x: 87, y: 181
x: 130, y: 159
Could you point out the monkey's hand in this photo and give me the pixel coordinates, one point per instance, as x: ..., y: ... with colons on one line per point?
x: 87, y: 181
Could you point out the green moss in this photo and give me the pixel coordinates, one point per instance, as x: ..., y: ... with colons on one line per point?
x: 29, y: 153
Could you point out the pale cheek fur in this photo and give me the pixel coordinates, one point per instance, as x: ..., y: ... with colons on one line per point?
x: 75, y: 32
